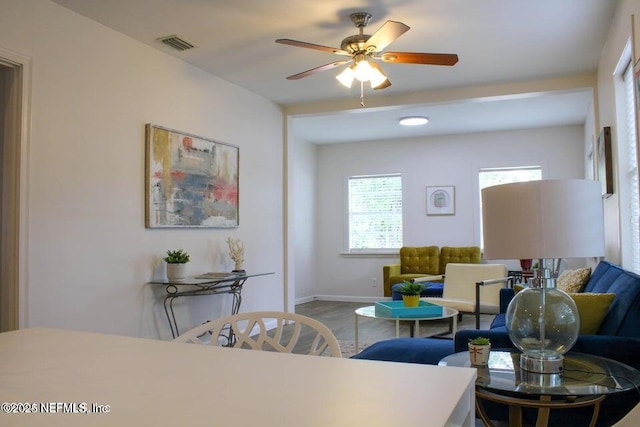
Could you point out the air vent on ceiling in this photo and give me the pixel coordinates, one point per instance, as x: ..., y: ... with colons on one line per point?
x: 176, y: 42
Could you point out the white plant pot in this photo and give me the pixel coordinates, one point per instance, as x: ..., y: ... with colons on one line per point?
x: 176, y: 272
x: 479, y: 354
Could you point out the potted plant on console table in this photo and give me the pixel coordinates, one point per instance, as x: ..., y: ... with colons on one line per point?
x: 410, y: 292
x: 176, y: 265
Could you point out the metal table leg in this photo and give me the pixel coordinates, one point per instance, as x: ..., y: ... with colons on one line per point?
x: 454, y: 325
x: 171, y: 317
x: 356, y: 331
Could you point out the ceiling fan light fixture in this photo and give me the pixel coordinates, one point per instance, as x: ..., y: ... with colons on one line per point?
x: 365, y: 50
x: 377, y: 78
x: 414, y: 121
x: 364, y: 71
x: 346, y: 77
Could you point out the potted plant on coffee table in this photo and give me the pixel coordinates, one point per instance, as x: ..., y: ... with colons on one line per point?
x: 176, y: 265
x: 479, y: 349
x: 410, y: 292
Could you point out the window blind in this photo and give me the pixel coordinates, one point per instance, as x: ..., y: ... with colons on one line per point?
x: 375, y: 212
x: 631, y: 170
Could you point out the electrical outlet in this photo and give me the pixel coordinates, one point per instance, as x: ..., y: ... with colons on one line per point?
x: 374, y: 282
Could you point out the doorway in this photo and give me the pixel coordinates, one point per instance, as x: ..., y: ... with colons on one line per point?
x: 11, y: 90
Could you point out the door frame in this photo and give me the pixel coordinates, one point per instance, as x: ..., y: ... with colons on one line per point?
x: 15, y: 192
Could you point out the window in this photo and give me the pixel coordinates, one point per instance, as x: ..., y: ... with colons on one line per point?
x: 375, y: 213
x: 488, y: 177
x: 628, y: 161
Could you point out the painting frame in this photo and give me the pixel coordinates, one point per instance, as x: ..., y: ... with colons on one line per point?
x: 604, y: 161
x: 190, y: 181
x: 441, y: 200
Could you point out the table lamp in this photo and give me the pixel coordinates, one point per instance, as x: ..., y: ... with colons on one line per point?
x: 543, y: 220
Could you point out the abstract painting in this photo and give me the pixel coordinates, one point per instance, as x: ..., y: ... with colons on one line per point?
x: 190, y: 181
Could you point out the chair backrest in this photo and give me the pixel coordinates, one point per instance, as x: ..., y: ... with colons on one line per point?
x: 267, y: 330
x: 459, y: 254
x: 419, y: 260
x: 460, y: 282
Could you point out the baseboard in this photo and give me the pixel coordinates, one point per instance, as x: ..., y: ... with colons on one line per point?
x: 340, y: 298
x: 305, y: 299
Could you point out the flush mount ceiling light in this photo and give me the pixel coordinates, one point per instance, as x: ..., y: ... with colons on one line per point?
x: 364, y: 49
x: 414, y: 121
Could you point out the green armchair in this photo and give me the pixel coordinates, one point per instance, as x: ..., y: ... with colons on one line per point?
x: 459, y: 255
x: 426, y: 261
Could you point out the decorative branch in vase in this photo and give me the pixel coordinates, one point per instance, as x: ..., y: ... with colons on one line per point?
x: 236, y: 252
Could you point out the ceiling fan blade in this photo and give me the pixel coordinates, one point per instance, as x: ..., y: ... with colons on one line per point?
x: 420, y: 58
x: 317, y: 70
x: 313, y: 46
x: 389, y: 31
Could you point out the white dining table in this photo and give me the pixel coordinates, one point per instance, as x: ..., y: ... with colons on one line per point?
x: 53, y: 377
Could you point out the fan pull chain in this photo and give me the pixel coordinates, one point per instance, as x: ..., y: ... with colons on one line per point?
x: 361, y: 93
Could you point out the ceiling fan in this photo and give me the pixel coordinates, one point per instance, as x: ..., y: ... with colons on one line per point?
x: 363, y: 50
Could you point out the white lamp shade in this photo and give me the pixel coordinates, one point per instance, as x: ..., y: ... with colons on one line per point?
x: 543, y: 219
x: 363, y: 71
x: 376, y: 78
x: 346, y: 77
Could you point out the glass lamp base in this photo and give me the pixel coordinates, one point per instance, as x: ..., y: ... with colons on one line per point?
x: 541, y: 365
x: 543, y: 322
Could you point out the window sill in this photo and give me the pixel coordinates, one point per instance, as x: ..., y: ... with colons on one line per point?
x: 371, y: 254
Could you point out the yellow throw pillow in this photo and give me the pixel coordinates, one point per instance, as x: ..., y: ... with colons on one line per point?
x: 573, y: 280
x: 593, y: 308
x: 518, y: 287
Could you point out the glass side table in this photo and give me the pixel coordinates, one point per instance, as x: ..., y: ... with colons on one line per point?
x: 586, y: 381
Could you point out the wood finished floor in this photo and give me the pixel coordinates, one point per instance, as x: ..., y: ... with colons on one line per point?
x: 339, y: 317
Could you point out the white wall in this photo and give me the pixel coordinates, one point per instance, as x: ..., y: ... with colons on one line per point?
x: 303, y: 217
x: 444, y: 160
x: 89, y: 256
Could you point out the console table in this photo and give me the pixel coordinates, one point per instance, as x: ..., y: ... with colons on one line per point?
x: 195, y: 286
x: 586, y: 381
x: 81, y: 379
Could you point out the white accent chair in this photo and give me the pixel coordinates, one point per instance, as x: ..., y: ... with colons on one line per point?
x: 471, y: 288
x: 250, y: 330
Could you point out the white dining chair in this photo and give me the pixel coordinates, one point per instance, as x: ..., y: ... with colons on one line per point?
x: 269, y: 331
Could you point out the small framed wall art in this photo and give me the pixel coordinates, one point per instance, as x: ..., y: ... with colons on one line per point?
x: 441, y: 200
x: 191, y: 181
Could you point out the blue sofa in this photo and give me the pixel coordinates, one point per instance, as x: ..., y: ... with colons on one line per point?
x: 618, y: 339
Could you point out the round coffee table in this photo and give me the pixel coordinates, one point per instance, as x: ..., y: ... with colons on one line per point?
x: 447, y: 313
x: 585, y: 381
